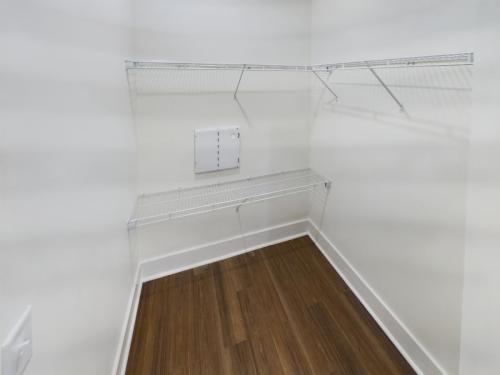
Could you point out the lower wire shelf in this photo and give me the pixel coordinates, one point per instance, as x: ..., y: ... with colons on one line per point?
x: 172, y: 204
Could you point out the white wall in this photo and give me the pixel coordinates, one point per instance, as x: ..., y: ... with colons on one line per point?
x: 397, y: 205
x: 66, y: 170
x: 273, y: 109
x: 274, y: 125
x: 481, y: 307
x: 260, y: 31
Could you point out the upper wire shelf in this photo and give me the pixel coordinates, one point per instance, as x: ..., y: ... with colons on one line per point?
x: 407, y: 62
x: 156, y: 64
x: 162, y: 206
x: 137, y: 70
x: 435, y: 60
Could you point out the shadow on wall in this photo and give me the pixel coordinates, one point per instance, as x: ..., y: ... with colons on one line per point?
x: 437, y: 100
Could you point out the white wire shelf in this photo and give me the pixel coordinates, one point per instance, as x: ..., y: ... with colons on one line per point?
x: 158, y: 64
x: 406, y: 62
x: 163, y: 77
x: 167, y: 205
x: 435, y: 60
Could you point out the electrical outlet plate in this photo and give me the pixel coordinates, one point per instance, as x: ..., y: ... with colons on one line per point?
x: 17, y: 349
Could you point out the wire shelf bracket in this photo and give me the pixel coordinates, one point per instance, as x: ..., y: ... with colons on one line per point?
x: 325, y: 83
x: 235, y: 95
x: 389, y: 91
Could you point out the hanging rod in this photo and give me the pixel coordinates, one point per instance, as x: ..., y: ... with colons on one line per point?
x: 407, y: 62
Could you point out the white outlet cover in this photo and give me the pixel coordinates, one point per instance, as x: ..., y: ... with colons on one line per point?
x: 17, y: 349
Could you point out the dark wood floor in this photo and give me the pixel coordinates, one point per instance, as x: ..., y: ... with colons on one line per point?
x: 279, y: 310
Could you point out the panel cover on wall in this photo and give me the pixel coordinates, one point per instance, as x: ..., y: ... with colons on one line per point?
x: 216, y: 149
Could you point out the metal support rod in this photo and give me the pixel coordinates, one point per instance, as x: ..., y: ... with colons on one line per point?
x: 326, y: 85
x: 320, y: 99
x: 243, y: 112
x: 401, y: 107
x: 239, y: 81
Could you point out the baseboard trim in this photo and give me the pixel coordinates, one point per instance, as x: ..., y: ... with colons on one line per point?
x: 407, y: 344
x: 212, y: 252
x: 120, y: 365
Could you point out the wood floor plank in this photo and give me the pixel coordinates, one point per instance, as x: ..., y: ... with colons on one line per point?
x: 285, y: 277
x: 341, y: 354
x: 279, y: 310
x: 292, y: 357
x: 266, y: 356
x: 243, y: 360
x: 227, y: 287
x: 207, y: 357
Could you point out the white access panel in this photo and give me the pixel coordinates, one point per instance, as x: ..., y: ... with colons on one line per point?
x: 229, y: 148
x: 216, y: 149
x: 206, y: 150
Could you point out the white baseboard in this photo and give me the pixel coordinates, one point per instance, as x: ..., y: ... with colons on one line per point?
x: 150, y: 269
x: 120, y: 365
x: 411, y: 349
x: 212, y: 252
